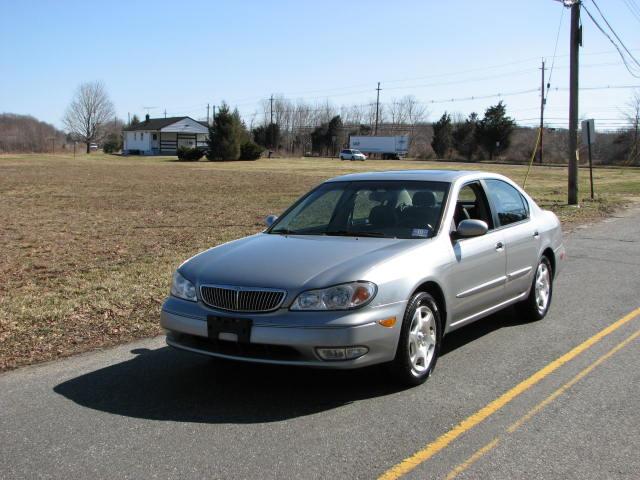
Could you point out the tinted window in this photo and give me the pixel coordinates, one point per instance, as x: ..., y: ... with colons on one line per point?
x: 509, y: 204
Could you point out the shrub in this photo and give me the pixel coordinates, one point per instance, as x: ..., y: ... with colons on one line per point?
x: 250, y: 151
x: 186, y: 154
x: 112, y: 144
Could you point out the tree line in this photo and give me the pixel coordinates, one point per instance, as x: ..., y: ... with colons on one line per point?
x: 297, y: 127
x: 24, y: 133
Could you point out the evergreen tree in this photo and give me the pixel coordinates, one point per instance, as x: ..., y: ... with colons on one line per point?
x: 268, y: 136
x: 494, y: 131
x: 225, y: 135
x: 464, y: 136
x: 327, y: 136
x: 442, y: 135
x: 319, y: 138
x: 134, y: 120
x: 334, y: 129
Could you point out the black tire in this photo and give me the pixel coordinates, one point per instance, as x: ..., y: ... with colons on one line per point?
x: 529, y: 309
x: 402, y: 368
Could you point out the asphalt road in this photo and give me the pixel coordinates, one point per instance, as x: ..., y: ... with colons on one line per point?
x: 146, y: 411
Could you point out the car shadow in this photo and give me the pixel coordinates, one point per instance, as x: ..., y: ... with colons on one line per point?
x: 502, y: 319
x: 168, y: 384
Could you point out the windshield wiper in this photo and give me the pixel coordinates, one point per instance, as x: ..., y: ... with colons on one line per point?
x: 286, y: 231
x: 345, y: 233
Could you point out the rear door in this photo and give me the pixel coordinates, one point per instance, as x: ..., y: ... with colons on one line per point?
x: 521, y: 238
x: 479, y: 274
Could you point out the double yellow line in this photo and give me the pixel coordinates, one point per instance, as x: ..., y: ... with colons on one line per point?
x: 408, y: 464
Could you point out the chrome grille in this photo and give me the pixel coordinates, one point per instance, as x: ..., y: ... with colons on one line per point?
x: 242, y: 299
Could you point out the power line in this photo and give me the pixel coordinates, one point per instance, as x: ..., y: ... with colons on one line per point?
x: 633, y: 8
x: 614, y: 33
x: 622, y: 56
x: 555, y: 50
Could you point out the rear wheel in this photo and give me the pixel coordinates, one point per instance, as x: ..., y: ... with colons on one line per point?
x: 536, y: 306
x: 420, y: 341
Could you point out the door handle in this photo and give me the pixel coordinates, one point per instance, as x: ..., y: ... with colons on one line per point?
x: 499, y: 246
x: 536, y: 234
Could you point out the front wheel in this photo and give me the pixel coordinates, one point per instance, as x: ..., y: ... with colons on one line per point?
x: 536, y: 306
x: 420, y: 341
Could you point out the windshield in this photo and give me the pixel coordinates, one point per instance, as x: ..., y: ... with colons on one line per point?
x: 389, y: 209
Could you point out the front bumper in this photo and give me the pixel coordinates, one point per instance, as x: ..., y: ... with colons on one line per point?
x: 285, y: 337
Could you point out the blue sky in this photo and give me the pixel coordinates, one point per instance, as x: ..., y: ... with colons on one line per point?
x: 179, y: 56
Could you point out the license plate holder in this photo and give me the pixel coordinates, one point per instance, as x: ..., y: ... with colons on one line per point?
x: 241, y: 327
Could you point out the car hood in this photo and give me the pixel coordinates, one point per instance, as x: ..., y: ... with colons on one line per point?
x: 292, y: 262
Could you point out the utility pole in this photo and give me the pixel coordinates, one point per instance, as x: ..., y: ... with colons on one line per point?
x: 213, y: 117
x: 543, y: 101
x: 129, y: 118
x: 208, y: 114
x: 271, y: 109
x: 375, y: 131
x: 165, y: 113
x: 575, y: 42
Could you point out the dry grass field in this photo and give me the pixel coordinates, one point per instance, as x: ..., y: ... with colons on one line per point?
x: 89, y: 245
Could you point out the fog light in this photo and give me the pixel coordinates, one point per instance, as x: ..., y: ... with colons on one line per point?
x: 355, y: 352
x: 341, y: 353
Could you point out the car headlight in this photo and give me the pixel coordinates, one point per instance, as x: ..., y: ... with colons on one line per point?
x: 345, y: 296
x: 183, y: 288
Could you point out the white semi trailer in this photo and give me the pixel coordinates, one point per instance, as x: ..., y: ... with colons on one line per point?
x: 388, y: 147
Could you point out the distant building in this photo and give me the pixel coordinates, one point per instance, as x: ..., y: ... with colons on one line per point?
x: 163, y: 136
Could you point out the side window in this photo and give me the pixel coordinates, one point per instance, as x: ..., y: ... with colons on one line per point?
x: 472, y: 205
x: 508, y: 202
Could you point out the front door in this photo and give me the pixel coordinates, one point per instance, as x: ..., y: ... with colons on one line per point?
x: 478, y: 276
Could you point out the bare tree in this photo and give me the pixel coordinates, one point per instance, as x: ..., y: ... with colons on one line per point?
x: 416, y: 112
x: 633, y: 116
x: 88, y: 112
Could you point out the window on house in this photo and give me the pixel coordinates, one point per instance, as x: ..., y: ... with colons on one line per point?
x: 155, y: 136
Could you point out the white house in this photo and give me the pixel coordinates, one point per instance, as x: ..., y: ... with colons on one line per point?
x: 163, y: 136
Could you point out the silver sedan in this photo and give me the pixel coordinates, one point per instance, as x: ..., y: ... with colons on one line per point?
x: 370, y: 268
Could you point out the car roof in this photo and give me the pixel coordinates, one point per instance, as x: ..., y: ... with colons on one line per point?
x: 449, y: 176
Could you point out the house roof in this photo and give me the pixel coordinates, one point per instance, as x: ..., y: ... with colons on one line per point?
x: 158, y: 123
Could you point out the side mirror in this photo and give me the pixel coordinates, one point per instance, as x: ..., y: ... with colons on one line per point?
x: 269, y: 220
x: 471, y: 228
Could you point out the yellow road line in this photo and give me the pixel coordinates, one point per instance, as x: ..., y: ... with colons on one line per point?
x: 473, y: 459
x: 468, y: 423
x: 535, y: 410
